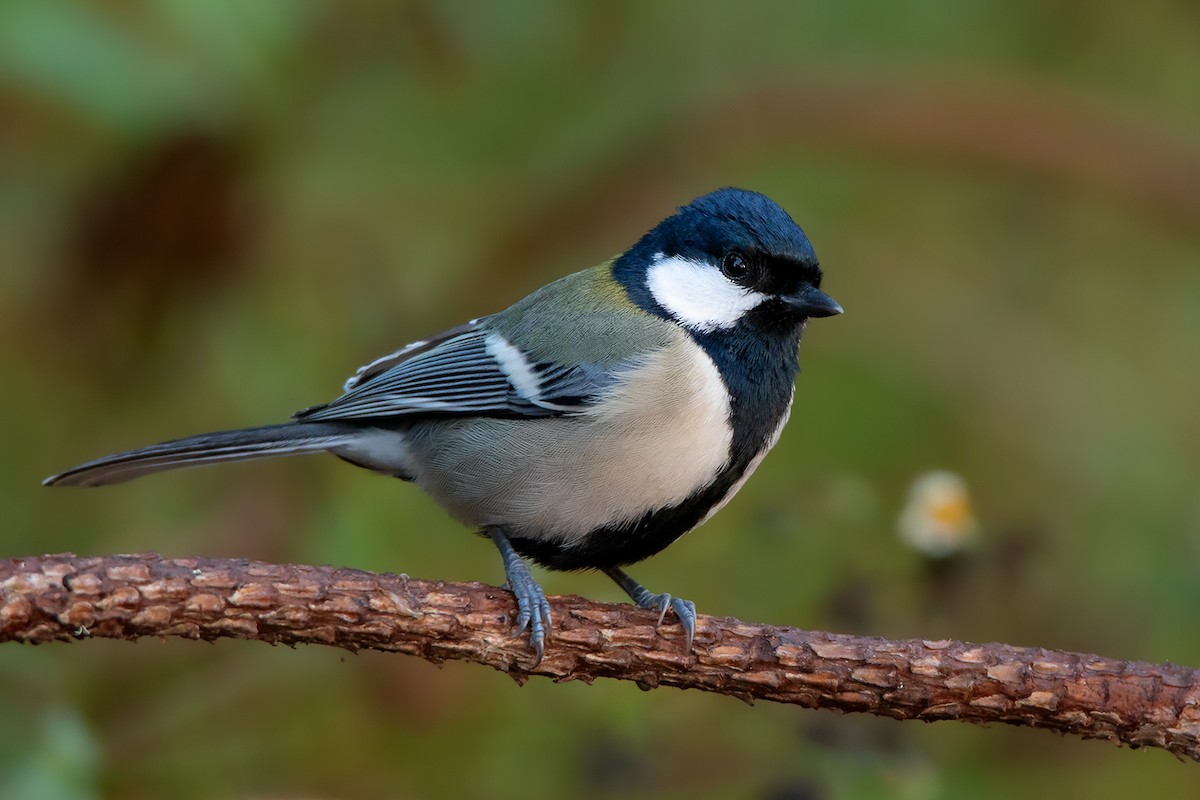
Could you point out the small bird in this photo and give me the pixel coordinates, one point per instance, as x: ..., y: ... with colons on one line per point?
x: 592, y: 423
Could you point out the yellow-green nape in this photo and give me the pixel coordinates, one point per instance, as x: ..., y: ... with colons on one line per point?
x: 606, y: 284
x: 560, y: 322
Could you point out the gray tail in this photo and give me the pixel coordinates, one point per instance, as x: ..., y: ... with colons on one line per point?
x: 290, y: 438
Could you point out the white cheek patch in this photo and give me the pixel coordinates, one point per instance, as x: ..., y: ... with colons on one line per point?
x: 697, y: 295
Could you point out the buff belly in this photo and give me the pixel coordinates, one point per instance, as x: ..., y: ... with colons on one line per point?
x: 657, y: 438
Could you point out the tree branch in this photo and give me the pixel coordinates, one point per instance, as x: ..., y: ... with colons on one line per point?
x: 65, y: 597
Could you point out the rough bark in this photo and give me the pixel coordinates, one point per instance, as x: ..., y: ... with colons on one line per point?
x: 65, y: 598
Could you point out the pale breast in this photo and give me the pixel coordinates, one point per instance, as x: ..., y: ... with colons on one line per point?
x: 753, y: 465
x: 660, y: 435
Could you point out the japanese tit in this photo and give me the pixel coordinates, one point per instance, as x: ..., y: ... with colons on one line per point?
x: 588, y: 425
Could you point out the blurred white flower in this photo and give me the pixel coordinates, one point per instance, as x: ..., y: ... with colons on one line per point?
x: 938, y: 519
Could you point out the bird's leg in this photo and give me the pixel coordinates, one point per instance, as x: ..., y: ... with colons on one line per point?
x: 533, y: 612
x: 685, y: 610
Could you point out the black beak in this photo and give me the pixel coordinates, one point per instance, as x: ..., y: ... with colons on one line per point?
x: 812, y: 302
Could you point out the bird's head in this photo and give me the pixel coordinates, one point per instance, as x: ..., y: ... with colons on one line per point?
x: 730, y: 259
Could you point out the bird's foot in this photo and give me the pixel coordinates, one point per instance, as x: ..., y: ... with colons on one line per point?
x: 685, y: 610
x: 533, y: 610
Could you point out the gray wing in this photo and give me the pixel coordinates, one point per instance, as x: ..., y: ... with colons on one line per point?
x: 469, y: 370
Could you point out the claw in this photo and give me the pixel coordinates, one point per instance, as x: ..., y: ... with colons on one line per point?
x: 664, y: 603
x: 533, y: 610
x: 533, y: 614
x: 685, y: 610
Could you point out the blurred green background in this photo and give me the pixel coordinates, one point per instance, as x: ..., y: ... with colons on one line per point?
x: 212, y: 212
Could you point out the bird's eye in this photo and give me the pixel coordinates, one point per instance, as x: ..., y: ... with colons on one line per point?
x: 734, y: 266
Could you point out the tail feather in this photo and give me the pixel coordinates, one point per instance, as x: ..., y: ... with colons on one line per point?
x: 291, y: 438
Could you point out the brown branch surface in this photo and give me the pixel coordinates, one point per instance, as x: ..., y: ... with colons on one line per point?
x: 65, y: 598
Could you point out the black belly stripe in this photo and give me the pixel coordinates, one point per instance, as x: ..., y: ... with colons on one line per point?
x: 760, y: 375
